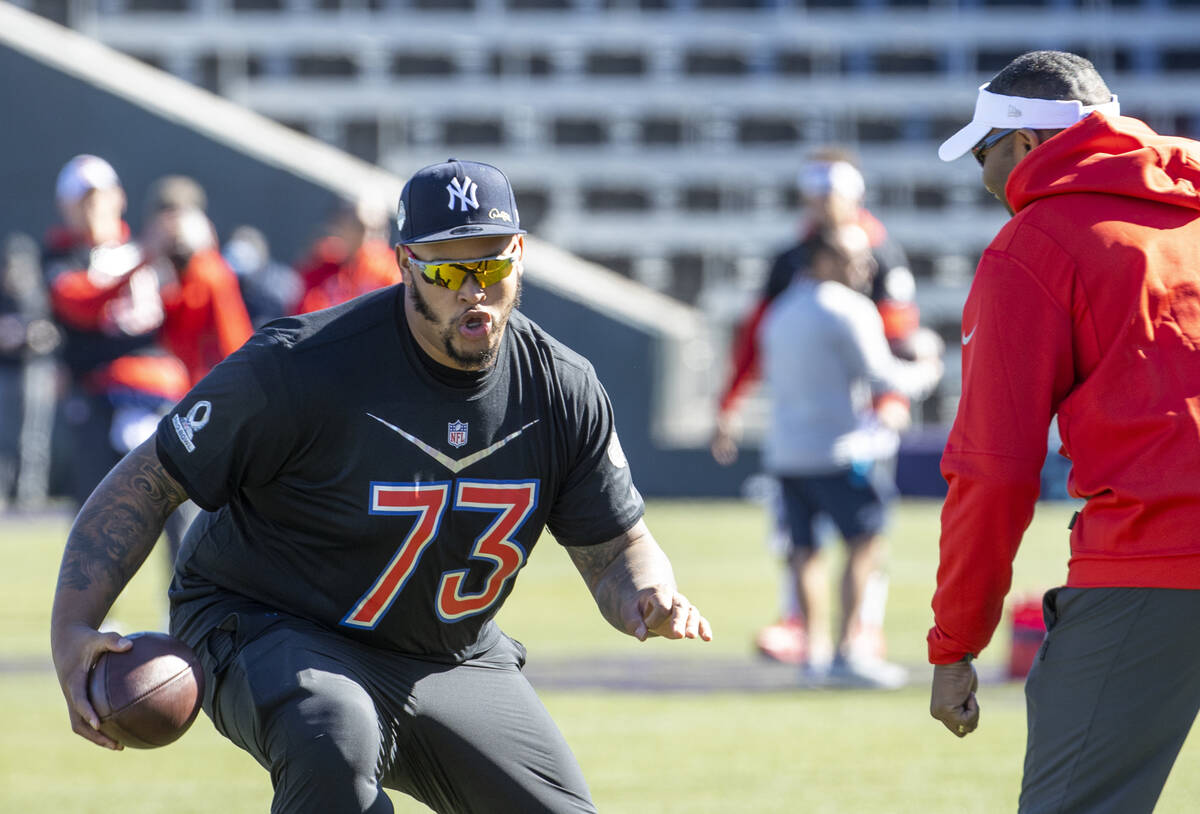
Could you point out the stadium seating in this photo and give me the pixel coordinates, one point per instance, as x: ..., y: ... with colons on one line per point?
x: 661, y: 137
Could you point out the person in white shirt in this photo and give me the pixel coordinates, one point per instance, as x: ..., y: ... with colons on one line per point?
x: 824, y: 356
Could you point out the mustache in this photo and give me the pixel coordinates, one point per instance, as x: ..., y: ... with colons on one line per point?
x: 477, y: 360
x: 422, y: 307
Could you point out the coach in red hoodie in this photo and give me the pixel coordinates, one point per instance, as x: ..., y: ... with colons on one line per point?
x: 1086, y: 305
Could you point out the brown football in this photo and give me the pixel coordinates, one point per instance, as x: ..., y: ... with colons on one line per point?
x: 149, y: 695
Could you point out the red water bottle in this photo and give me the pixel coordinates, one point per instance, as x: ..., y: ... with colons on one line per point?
x: 1028, y: 630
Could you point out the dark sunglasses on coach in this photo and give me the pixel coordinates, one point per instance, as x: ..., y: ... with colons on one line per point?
x: 452, y: 273
x: 980, y: 150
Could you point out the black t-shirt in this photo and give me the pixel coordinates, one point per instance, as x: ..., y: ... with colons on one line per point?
x: 352, y: 485
x: 891, y: 266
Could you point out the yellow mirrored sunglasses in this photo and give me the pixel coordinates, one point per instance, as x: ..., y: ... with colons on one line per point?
x: 451, y: 273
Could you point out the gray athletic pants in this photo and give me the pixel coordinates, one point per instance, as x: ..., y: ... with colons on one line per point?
x: 334, y: 720
x: 1110, y: 698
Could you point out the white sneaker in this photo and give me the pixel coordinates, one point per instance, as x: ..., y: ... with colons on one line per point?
x: 866, y: 673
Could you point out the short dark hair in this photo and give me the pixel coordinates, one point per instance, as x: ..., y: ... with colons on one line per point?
x: 822, y: 241
x: 174, y: 192
x: 1058, y: 75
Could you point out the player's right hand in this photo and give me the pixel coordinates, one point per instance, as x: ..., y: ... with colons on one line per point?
x: 952, y: 697
x: 75, y: 649
x: 661, y: 611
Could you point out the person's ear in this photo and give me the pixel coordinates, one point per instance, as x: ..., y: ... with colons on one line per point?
x: 402, y: 262
x: 520, y: 254
x: 1024, y: 140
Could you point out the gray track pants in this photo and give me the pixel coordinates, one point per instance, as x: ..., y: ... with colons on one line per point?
x: 334, y: 721
x: 1110, y: 698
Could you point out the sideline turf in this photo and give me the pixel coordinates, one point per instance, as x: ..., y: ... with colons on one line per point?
x: 816, y: 752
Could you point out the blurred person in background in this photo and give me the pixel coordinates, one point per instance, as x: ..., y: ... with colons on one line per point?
x: 270, y: 289
x: 28, y: 375
x: 353, y: 258
x: 832, y: 191
x: 205, y: 318
x: 1086, y: 305
x: 825, y: 356
x: 104, y: 292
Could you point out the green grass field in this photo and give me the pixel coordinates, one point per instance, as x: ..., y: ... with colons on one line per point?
x: 789, y: 751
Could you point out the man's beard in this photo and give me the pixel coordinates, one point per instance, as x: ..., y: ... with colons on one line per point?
x: 474, y: 360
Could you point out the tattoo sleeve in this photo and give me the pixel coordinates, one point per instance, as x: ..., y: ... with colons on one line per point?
x: 617, y: 570
x: 113, y: 534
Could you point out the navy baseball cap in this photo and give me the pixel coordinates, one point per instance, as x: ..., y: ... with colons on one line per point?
x: 457, y: 199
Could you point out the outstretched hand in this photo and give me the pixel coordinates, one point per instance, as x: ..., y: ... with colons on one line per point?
x: 661, y: 611
x: 75, y: 651
x: 952, y: 698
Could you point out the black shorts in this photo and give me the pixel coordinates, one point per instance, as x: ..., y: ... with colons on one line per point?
x: 334, y: 720
x: 851, y: 498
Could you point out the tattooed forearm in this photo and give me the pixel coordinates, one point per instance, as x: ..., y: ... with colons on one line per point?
x: 102, y: 545
x: 117, y: 527
x: 617, y: 570
x: 591, y: 560
x: 593, y: 563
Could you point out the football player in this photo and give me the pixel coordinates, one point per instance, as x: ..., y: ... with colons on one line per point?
x: 376, y: 476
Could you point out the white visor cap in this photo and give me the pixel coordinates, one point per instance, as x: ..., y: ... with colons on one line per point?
x: 82, y: 174
x: 821, y: 179
x: 1015, y: 112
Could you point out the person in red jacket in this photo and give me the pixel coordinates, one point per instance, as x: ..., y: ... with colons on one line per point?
x: 354, y: 258
x: 205, y: 318
x: 1085, y: 306
x: 105, y: 296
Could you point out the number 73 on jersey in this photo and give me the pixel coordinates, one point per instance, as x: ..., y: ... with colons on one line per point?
x: 510, y: 501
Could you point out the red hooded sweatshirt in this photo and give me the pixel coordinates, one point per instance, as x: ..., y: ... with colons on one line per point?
x: 1085, y: 305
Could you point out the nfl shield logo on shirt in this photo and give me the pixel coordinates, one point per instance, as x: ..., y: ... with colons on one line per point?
x: 456, y: 433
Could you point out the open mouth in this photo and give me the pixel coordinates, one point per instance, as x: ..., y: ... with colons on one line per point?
x: 475, y: 324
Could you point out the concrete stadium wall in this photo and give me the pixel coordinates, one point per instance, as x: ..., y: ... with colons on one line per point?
x: 49, y: 117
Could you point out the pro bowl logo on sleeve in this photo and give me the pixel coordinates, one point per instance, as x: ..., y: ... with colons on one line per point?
x: 190, y: 424
x: 456, y: 434
x: 616, y: 455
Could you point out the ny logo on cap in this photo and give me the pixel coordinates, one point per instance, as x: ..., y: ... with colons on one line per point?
x: 464, y: 192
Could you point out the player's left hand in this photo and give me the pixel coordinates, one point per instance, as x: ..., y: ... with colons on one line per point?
x: 723, y: 444
x: 952, y: 698
x: 661, y: 611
